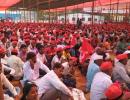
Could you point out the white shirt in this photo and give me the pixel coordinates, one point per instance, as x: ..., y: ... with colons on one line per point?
x: 42, y: 58
x: 51, y: 80
x: 99, y: 85
x: 17, y: 64
x: 54, y: 60
x: 33, y: 74
x: 78, y: 94
x: 7, y: 84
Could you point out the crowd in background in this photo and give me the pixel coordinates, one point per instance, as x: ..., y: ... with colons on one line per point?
x: 44, y: 57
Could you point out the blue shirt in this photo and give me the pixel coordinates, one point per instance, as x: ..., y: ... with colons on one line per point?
x: 92, y: 70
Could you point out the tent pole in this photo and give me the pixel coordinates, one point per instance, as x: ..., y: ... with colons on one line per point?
x: 117, y: 10
x: 37, y: 11
x: 92, y: 16
x: 110, y: 11
x: 65, y: 12
x: 49, y: 13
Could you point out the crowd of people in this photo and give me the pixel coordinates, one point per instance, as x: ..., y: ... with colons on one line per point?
x: 44, y: 57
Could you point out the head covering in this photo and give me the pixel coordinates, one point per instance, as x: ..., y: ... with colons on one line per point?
x: 2, y: 50
x: 114, y: 91
x: 14, y: 51
x: 128, y: 47
x: 59, y: 49
x: 122, y: 56
x: 97, y: 57
x: 127, y: 52
x: 73, y: 58
x: 14, y: 42
x: 106, y: 66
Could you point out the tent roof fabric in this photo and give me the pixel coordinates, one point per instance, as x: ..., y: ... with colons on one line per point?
x: 4, y: 4
x: 58, y: 4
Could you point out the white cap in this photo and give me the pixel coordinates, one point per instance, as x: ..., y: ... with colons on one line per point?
x: 126, y: 52
x: 96, y: 57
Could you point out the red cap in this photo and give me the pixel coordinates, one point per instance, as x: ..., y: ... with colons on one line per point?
x: 106, y: 66
x: 122, y: 56
x: 27, y: 40
x: 114, y: 91
x: 14, y: 42
x: 67, y: 47
x: 14, y: 50
x: 128, y: 47
x: 73, y: 58
x: 2, y: 50
x: 59, y: 49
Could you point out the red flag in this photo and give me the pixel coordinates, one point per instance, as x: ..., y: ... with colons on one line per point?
x: 85, y: 51
x: 86, y: 46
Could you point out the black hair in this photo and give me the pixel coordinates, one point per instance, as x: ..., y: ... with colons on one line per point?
x: 69, y: 81
x: 57, y: 65
x: 14, y: 53
x: 23, y: 46
x: 39, y: 46
x: 30, y: 55
x: 27, y: 87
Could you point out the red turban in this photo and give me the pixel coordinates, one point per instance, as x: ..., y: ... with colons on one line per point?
x: 122, y: 56
x: 106, y: 66
x: 114, y: 91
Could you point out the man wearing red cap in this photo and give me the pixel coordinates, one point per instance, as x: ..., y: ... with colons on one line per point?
x: 13, y: 46
x: 102, y: 80
x: 16, y: 63
x: 57, y: 57
x: 41, y: 56
x: 119, y: 71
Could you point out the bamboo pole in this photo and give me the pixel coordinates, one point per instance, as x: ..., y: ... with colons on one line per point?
x: 117, y: 10
x: 92, y: 16
x: 49, y: 5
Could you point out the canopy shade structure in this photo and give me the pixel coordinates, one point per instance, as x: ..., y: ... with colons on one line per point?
x: 4, y: 4
x: 44, y: 4
x: 60, y: 4
x: 98, y: 3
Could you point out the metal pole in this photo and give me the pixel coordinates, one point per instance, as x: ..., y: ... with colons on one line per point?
x: 126, y: 15
x: 117, y: 10
x: 92, y: 16
x: 65, y: 12
x: 49, y: 13
x: 24, y: 11
x: 56, y: 16
x: 37, y: 11
x: 110, y: 11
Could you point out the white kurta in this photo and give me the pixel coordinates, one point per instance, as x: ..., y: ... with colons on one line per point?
x: 54, y: 60
x: 99, y: 85
x: 17, y: 64
x: 33, y: 74
x: 42, y: 58
x: 51, y: 80
x: 8, y: 85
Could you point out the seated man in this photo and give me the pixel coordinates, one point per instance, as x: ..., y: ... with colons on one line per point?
x: 32, y: 66
x: 50, y: 87
x: 4, y: 82
x: 119, y: 71
x: 16, y: 63
x: 93, y: 68
x: 116, y: 92
x: 102, y: 80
